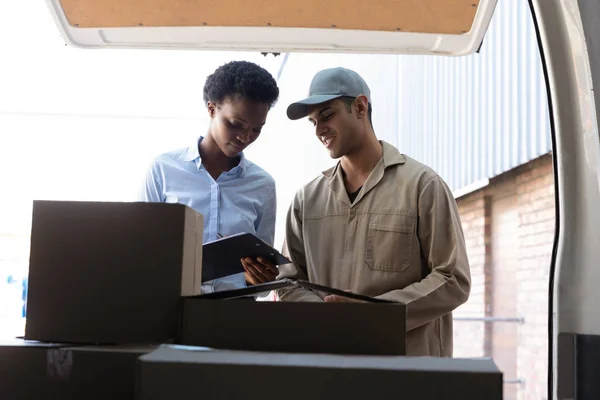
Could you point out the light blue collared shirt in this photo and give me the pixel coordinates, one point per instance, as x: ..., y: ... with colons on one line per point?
x: 240, y: 200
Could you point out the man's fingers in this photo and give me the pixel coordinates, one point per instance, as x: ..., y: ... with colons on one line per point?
x: 332, y: 298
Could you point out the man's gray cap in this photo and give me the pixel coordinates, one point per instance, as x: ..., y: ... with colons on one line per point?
x: 327, y: 85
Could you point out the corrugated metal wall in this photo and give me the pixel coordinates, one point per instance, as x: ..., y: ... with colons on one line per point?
x: 475, y: 117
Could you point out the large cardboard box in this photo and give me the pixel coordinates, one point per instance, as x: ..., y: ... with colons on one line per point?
x: 111, y: 273
x: 177, y: 374
x: 339, y: 328
x: 35, y: 370
x: 24, y: 372
x: 98, y: 372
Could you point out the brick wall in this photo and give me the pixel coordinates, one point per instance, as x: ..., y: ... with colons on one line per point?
x: 509, y: 230
x: 504, y: 238
x: 469, y: 337
x: 535, y: 185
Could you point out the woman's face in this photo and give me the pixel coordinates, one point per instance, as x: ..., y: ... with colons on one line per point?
x: 236, y: 123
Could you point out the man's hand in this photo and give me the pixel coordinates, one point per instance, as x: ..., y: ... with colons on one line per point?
x: 334, y: 298
x: 258, y: 270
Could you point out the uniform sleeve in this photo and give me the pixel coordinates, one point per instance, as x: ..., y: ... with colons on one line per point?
x: 440, y: 233
x: 293, y: 248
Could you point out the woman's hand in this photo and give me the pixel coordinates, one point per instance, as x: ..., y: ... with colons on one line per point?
x: 258, y: 270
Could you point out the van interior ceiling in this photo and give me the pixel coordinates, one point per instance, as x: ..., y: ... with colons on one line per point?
x: 449, y: 27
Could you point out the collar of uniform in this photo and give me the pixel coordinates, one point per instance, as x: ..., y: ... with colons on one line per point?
x: 193, y: 154
x: 391, y: 156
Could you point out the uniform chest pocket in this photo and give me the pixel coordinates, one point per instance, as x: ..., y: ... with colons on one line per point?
x: 389, y: 247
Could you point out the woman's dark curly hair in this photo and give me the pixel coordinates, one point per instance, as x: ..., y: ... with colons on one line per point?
x: 241, y: 78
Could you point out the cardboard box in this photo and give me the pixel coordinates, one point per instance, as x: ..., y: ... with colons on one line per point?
x: 24, y: 370
x: 111, y: 273
x: 98, y: 372
x: 339, y: 328
x: 35, y: 370
x: 177, y: 374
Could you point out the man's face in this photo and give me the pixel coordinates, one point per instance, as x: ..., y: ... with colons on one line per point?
x: 236, y: 123
x: 336, y: 126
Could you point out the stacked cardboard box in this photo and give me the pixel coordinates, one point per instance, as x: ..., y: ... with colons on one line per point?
x: 39, y: 370
x: 336, y: 328
x: 111, y: 273
x: 111, y: 282
x: 100, y: 273
x: 183, y: 374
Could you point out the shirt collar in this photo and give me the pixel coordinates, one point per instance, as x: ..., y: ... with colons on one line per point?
x: 391, y: 156
x: 193, y: 154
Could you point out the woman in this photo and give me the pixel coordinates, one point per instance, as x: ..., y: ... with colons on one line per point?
x: 214, y: 177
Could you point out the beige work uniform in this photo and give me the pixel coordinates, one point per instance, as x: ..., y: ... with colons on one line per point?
x: 401, y: 239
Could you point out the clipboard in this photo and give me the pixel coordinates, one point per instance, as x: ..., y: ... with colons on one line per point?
x: 265, y: 288
x: 222, y: 257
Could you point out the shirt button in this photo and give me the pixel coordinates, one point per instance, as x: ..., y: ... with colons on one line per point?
x: 351, y: 212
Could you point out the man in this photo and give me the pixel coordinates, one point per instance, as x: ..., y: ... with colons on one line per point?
x: 379, y: 223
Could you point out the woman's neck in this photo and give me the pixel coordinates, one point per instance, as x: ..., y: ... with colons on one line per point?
x: 213, y: 159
